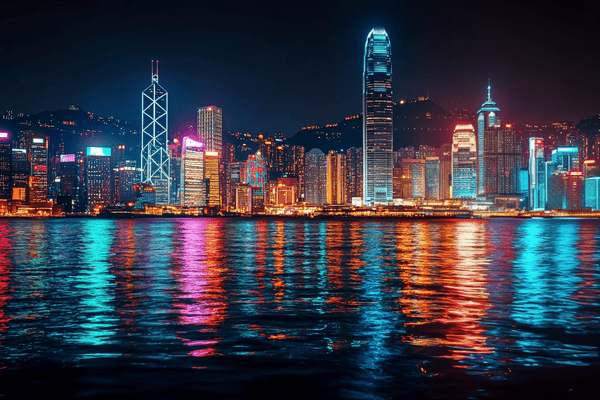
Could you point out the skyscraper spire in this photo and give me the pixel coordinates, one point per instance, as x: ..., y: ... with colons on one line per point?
x: 489, y: 90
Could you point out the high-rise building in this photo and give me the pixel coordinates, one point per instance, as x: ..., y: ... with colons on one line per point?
x: 413, y: 178
x: 487, y: 118
x: 38, y: 158
x: 256, y: 176
x: 210, y: 128
x: 315, y: 177
x: 98, y: 173
x: 336, y: 178
x: 21, y: 171
x: 69, y: 183
x: 156, y: 164
x: 294, y: 167
x: 464, y: 162
x: 592, y: 193
x: 566, y: 158
x: 5, y: 167
x: 174, y: 150
x: 212, y: 162
x: 126, y: 175
x: 192, y: 187
x: 537, y: 175
x: 377, y: 119
x: 432, y: 177
x: 354, y: 172
x: 502, y: 161
x: 444, y: 154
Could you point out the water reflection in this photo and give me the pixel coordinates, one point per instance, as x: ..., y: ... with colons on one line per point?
x: 385, y: 304
x: 201, y: 302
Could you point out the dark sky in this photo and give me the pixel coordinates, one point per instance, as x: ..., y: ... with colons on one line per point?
x: 276, y: 66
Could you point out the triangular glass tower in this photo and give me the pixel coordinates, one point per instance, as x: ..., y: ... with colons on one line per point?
x: 156, y: 164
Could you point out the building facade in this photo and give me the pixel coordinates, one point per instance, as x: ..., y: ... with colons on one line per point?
x: 315, y: 177
x: 156, y: 163
x: 464, y: 162
x: 210, y: 128
x: 537, y: 175
x: 487, y: 117
x: 192, y: 190
x: 377, y: 119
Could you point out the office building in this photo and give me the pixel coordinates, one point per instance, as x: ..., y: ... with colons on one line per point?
x: 37, y: 152
x: 354, y: 173
x: 21, y: 171
x: 502, y: 161
x: 464, y: 162
x: 315, y: 177
x: 377, y: 119
x: 566, y: 158
x: 5, y: 166
x: 192, y: 187
x: 413, y: 178
x: 336, y: 178
x: 210, y: 128
x: 212, y: 163
x: 98, y: 173
x: 156, y: 164
x: 537, y: 175
x: 126, y: 177
x: 592, y: 193
x: 487, y: 117
x: 432, y: 177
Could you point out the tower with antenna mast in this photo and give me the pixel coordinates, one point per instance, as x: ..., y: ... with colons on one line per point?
x: 156, y: 163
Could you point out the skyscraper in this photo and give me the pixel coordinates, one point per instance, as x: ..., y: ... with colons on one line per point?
x: 210, y: 128
x: 336, y: 178
x: 537, y: 175
x: 315, y: 177
x: 156, y: 164
x: 98, y: 170
x: 192, y: 186
x: 5, y: 166
x: 38, y: 158
x: 487, y: 118
x: 377, y: 119
x: 211, y: 177
x: 502, y: 161
x: 464, y: 162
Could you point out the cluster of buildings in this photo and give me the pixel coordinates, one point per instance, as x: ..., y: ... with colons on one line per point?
x: 489, y: 164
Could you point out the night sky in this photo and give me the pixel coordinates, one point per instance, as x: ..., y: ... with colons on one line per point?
x: 278, y: 66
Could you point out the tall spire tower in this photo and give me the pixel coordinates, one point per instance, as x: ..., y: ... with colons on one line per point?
x: 156, y: 164
x: 377, y: 119
x: 487, y: 118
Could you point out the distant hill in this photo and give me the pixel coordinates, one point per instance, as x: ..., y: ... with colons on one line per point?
x: 590, y: 126
x: 77, y: 129
x: 415, y: 123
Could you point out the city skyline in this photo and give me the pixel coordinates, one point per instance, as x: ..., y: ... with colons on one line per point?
x: 530, y: 76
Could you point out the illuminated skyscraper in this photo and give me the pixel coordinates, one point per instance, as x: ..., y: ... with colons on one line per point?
x: 212, y: 178
x: 5, y: 167
x: 502, y: 161
x: 336, y: 178
x: 487, y: 118
x: 156, y: 164
x: 38, y: 158
x: 377, y: 119
x: 537, y: 175
x: 464, y: 162
x: 210, y: 128
x: 192, y: 186
x: 315, y: 177
x: 98, y: 176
